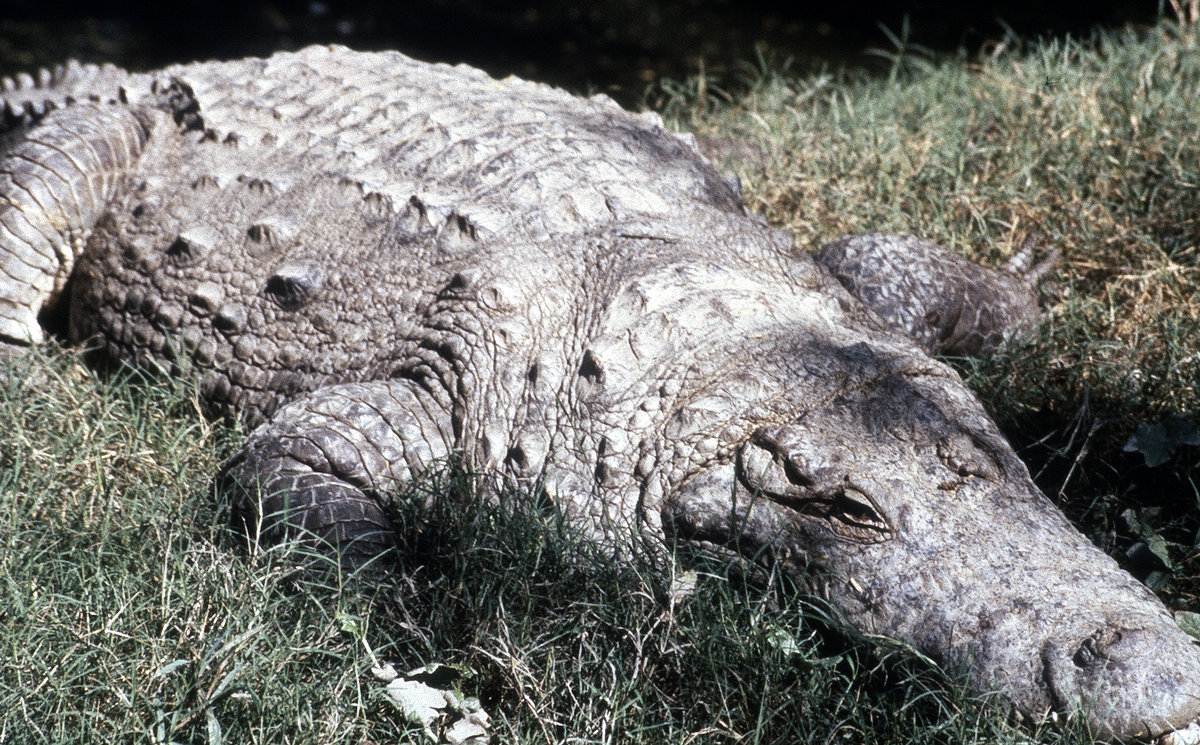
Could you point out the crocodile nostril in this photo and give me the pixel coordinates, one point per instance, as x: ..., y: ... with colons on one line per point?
x: 1086, y: 655
x: 1131, y: 680
x: 1099, y: 646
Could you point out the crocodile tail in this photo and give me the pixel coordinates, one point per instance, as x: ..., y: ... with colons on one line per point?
x: 56, y: 179
x: 26, y: 98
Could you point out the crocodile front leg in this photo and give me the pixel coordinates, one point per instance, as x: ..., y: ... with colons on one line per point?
x: 946, y: 303
x: 321, y: 467
x: 56, y: 180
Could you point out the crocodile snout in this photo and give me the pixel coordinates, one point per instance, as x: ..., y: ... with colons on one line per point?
x: 1129, y: 681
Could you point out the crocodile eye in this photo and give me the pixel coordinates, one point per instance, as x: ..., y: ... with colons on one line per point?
x: 784, y: 478
x: 856, y: 511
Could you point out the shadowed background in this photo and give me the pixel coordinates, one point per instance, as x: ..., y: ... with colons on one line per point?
x: 621, y: 47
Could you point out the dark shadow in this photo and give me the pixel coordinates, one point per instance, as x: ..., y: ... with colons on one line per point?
x: 621, y: 47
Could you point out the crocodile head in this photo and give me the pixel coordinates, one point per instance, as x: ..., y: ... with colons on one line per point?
x: 897, y: 501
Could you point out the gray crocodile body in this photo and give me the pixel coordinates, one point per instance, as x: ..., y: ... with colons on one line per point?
x: 381, y: 264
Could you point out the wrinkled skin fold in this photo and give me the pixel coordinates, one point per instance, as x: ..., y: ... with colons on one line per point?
x: 379, y: 264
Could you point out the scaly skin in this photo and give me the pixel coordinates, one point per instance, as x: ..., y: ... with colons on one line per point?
x: 381, y: 263
x: 947, y: 304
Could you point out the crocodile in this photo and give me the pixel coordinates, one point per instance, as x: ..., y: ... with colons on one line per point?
x: 947, y: 304
x: 379, y: 264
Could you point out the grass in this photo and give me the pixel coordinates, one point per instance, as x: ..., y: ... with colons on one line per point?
x: 131, y: 612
